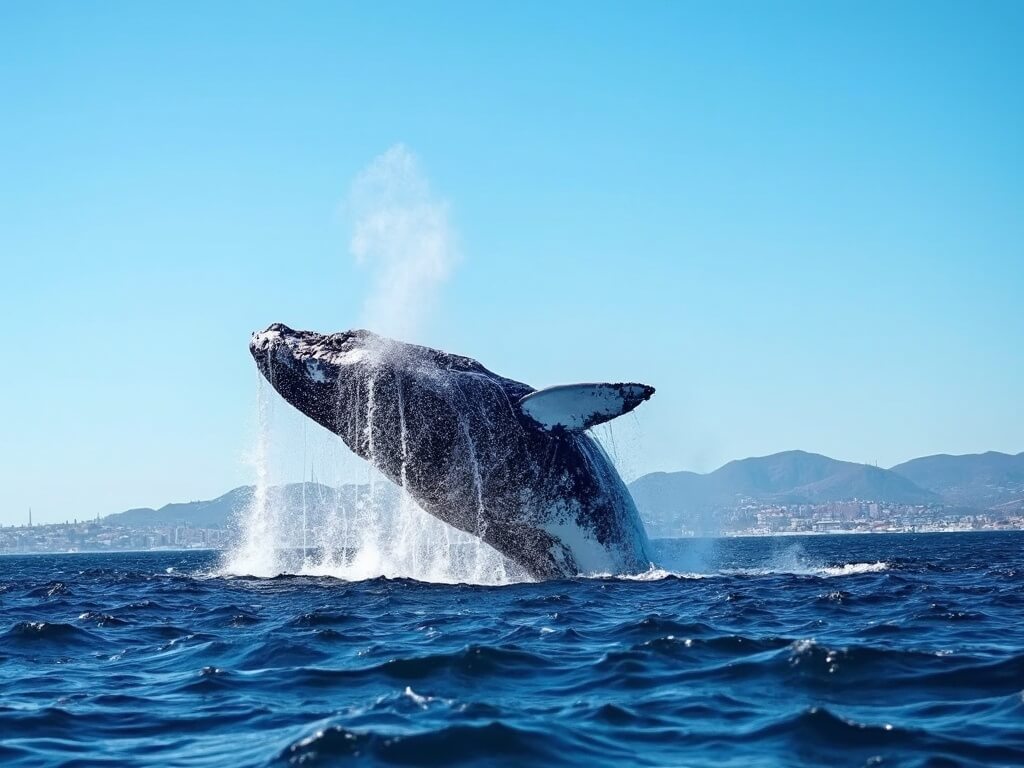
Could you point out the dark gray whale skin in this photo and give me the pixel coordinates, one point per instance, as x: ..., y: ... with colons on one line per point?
x: 452, y: 434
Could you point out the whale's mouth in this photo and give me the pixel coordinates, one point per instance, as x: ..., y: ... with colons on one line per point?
x: 306, y: 356
x: 262, y: 342
x: 285, y: 344
x: 272, y: 349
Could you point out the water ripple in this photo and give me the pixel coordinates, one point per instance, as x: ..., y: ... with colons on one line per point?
x: 853, y: 650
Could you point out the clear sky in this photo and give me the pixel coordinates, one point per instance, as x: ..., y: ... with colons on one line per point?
x: 802, y: 222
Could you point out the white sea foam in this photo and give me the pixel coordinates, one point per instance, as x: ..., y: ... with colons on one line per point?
x: 822, y: 571
x: 652, y: 574
x: 657, y: 574
x: 851, y: 569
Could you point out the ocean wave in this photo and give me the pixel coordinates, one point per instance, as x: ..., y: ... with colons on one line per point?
x: 830, y: 653
x: 801, y: 569
x: 473, y: 661
x: 43, y: 631
x: 657, y: 625
x: 834, y: 739
x: 490, y: 744
x: 51, y: 589
x: 101, y: 619
x: 820, y: 571
x: 852, y: 569
x: 653, y: 574
x: 916, y: 670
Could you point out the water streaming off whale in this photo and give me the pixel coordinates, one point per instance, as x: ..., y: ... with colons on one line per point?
x: 360, y: 525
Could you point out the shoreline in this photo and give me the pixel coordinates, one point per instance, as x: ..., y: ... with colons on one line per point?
x: 111, y: 551
x: 774, y: 535
x: 786, y: 534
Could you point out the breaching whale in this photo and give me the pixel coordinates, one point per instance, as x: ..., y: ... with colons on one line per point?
x: 488, y: 455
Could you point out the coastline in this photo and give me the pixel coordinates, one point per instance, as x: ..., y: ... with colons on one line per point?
x: 729, y: 535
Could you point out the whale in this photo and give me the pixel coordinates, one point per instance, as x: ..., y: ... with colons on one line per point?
x: 488, y: 455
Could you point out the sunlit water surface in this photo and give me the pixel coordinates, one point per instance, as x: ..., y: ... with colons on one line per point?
x: 845, y: 650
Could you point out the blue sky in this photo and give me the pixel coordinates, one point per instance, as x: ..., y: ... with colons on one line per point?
x: 802, y: 222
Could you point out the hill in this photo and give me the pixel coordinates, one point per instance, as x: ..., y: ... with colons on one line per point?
x: 981, y: 480
x: 290, y: 501
x: 200, y: 514
x: 792, y: 477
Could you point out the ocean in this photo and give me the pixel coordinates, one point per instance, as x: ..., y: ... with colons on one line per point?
x: 884, y: 650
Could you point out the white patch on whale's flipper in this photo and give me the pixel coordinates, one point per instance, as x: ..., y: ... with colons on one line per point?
x: 575, y: 407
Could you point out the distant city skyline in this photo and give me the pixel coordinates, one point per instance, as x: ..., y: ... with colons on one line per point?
x: 800, y: 224
x: 789, y: 493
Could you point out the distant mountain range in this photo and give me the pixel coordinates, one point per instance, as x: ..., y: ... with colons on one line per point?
x: 316, y: 500
x: 199, y: 514
x: 290, y: 501
x: 793, y: 477
x: 977, y: 481
x: 983, y: 481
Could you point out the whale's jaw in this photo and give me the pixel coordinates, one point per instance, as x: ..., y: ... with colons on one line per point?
x: 307, y: 368
x: 321, y: 354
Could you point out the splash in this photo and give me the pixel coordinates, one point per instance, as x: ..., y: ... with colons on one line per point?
x: 823, y: 572
x: 317, y: 510
x: 793, y: 560
x: 259, y: 523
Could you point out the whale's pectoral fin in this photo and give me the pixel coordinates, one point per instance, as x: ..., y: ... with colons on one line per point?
x: 575, y: 407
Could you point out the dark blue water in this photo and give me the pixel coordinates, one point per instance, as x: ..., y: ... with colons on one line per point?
x: 848, y: 650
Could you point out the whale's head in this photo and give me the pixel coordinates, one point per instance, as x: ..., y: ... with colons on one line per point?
x: 384, y: 397
x: 317, y: 372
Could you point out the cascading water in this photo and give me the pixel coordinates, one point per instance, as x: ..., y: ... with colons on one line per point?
x: 351, y: 522
x: 256, y: 552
